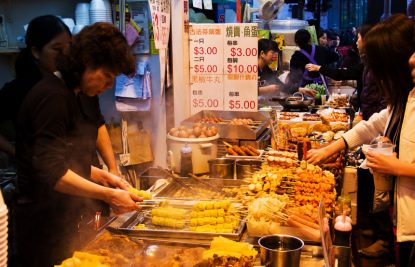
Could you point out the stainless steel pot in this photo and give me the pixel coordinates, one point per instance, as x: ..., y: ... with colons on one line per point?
x: 280, y: 250
x: 245, y: 168
x: 221, y: 168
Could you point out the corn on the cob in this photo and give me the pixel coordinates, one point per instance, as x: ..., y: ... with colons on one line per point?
x: 169, y: 212
x: 168, y: 222
x: 140, y: 193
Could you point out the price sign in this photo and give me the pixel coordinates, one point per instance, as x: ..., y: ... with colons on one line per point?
x: 206, y: 49
x: 241, y: 67
x: 224, y: 67
x: 206, y: 92
x: 239, y: 95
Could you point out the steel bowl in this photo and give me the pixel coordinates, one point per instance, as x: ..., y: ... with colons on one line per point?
x: 221, y: 168
x: 280, y: 250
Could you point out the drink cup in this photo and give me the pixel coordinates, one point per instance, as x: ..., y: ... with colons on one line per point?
x: 383, y: 182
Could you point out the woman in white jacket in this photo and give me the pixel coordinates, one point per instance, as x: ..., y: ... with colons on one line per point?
x: 389, y: 45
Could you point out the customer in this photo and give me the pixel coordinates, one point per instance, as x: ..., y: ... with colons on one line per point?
x: 54, y: 146
x: 394, y: 40
x: 322, y: 38
x: 369, y: 96
x: 299, y: 76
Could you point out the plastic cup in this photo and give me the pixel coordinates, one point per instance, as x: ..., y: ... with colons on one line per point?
x: 383, y: 182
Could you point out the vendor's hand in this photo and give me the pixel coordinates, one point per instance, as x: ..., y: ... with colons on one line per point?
x: 316, y: 156
x: 110, y: 180
x: 307, y: 91
x: 381, y: 163
x: 122, y: 201
x: 115, y: 171
x: 312, y: 67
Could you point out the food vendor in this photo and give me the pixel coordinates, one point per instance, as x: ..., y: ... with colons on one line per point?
x: 268, y: 82
x: 54, y: 147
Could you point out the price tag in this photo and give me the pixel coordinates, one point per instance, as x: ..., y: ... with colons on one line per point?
x: 237, y: 98
x: 241, y: 67
x: 206, y: 92
x: 206, y: 67
x: 206, y: 49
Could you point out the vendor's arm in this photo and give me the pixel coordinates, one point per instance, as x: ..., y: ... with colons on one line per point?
x: 307, y: 91
x: 389, y: 165
x: 105, y: 149
x: 268, y: 89
x: 352, y: 73
x: 120, y: 200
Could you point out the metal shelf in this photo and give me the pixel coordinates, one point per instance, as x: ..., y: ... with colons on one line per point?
x: 9, y: 50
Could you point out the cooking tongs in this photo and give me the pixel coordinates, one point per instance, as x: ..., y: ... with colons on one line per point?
x: 206, y: 184
x: 177, y: 180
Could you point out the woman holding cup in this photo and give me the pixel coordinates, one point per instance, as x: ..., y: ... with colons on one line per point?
x: 388, y: 46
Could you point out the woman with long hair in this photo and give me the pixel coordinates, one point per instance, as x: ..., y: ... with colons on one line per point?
x: 388, y: 47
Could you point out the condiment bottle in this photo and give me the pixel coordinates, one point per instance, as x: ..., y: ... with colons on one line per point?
x: 186, y: 165
x: 342, y: 230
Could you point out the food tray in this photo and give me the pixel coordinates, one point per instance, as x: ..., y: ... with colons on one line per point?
x: 173, y: 187
x: 127, y: 227
x: 261, y: 153
x: 230, y: 131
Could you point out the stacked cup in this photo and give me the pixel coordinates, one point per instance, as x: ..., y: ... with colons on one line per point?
x: 3, y: 232
x: 82, y: 14
x: 81, y: 17
x: 100, y: 11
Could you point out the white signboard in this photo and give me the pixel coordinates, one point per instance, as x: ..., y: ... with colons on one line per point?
x: 224, y: 67
x: 160, y: 16
x: 241, y: 67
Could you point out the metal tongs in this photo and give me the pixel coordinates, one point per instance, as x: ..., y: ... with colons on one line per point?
x: 199, y: 180
x: 176, y: 179
x: 152, y: 203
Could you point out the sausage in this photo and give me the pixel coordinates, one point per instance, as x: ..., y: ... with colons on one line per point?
x: 247, y: 151
x: 305, y: 222
x: 254, y: 150
x: 239, y: 150
x: 304, y: 229
x: 231, y: 151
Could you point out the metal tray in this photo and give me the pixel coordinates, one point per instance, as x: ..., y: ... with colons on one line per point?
x: 127, y: 228
x: 172, y: 187
x: 226, y: 130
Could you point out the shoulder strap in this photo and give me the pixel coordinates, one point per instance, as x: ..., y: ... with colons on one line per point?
x: 310, y: 57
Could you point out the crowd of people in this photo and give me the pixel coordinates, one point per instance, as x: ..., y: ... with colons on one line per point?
x: 378, y: 60
x: 56, y: 115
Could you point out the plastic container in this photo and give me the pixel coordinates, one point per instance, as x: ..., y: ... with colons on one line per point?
x: 288, y: 28
x: 186, y: 165
x: 203, y: 149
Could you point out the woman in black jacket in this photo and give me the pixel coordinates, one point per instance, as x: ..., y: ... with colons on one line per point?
x: 308, y: 54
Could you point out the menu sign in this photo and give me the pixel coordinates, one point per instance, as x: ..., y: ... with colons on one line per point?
x: 206, y: 67
x: 160, y: 16
x: 241, y: 57
x: 224, y: 67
